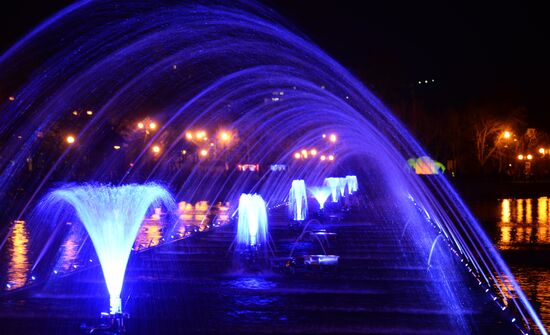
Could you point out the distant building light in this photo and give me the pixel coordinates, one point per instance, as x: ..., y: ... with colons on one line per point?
x: 11, y: 98
x: 248, y: 167
x: 89, y: 113
x: 184, y: 152
x: 75, y: 113
x: 277, y: 167
x: 297, y: 155
x: 116, y: 147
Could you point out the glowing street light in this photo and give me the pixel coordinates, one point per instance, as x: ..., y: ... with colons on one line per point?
x: 140, y: 125
x: 184, y: 152
x: 297, y: 155
x: 189, y: 135
x: 155, y: 149
x: 116, y: 147
x: 542, y: 151
x: 333, y: 138
x: 89, y: 113
x: 225, y: 136
x: 204, y: 152
x: 313, y: 152
x: 152, y: 125
x: 323, y: 158
x: 330, y: 157
x: 70, y: 139
x: 529, y: 156
x: 507, y: 134
x: 520, y: 157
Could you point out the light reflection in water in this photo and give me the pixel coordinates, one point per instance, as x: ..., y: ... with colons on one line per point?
x: 18, y: 265
x: 521, y: 223
x: 69, y: 248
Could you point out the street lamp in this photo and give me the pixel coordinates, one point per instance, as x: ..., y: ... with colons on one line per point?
x: 140, y: 125
x: 529, y: 156
x: 297, y: 155
x: 333, y: 138
x: 70, y: 139
x: 155, y: 149
x: 542, y: 151
x: 204, y: 152
x: 507, y: 134
x: 520, y: 157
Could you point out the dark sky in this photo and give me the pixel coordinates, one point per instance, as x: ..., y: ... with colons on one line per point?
x: 476, y: 52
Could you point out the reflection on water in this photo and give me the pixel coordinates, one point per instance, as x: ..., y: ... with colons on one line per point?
x: 18, y: 265
x: 14, y: 271
x: 523, y: 221
x: 70, y: 247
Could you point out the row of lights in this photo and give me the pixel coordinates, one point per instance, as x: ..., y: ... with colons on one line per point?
x: 521, y: 157
x: 305, y: 154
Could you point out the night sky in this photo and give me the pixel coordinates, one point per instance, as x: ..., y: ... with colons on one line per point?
x: 492, y: 53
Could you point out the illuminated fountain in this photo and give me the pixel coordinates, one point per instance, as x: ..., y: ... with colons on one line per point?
x: 334, y: 184
x: 285, y: 94
x: 352, y: 184
x: 297, y: 198
x: 112, y: 217
x: 252, y: 223
x: 321, y: 194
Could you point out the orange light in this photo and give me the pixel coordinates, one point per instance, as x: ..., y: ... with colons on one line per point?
x: 140, y: 125
x: 297, y: 155
x: 89, y: 113
x: 156, y: 149
x: 200, y: 135
x: 333, y: 138
x: 152, y: 125
x: 507, y: 134
x: 542, y: 151
x: 225, y: 136
x: 520, y: 157
x: 204, y: 152
x: 189, y: 136
x: 529, y: 157
x: 70, y: 139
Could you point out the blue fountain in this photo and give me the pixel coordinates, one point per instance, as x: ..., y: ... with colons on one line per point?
x: 252, y: 222
x: 112, y: 216
x: 297, y: 198
x: 237, y: 64
x: 321, y: 194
